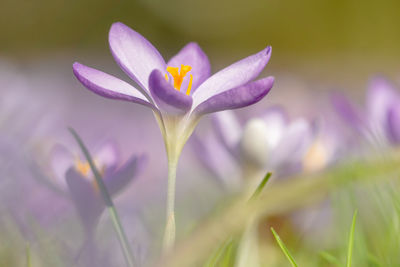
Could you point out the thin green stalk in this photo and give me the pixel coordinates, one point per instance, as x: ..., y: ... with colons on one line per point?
x: 108, y: 201
x: 351, y: 240
x: 261, y: 186
x: 284, y: 248
x: 170, y: 228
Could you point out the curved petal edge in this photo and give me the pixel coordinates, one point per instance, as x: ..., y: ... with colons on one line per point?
x: 136, y: 56
x: 108, y: 86
x: 238, y: 97
x: 238, y: 74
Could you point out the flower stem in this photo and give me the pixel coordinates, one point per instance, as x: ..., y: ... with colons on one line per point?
x: 176, y: 130
x: 169, y: 235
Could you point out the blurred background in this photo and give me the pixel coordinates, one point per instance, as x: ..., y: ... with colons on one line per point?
x: 318, y: 47
x: 338, y: 41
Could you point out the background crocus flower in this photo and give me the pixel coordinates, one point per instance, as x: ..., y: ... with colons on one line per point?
x: 379, y: 122
x: 74, y: 174
x: 326, y: 147
x: 268, y: 143
x: 214, y: 156
x: 179, y: 92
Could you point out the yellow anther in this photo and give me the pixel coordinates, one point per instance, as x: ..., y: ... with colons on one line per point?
x: 190, y: 84
x: 82, y: 167
x: 178, y: 75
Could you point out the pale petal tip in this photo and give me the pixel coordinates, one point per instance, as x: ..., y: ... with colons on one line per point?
x: 267, y: 51
x: 116, y: 29
x: 76, y: 65
x: 271, y: 79
x: 118, y: 25
x: 76, y: 68
x: 379, y: 82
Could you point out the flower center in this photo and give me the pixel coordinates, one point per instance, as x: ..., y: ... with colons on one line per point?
x: 178, y: 76
x: 82, y: 167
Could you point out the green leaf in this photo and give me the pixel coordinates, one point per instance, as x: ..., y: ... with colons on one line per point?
x: 108, y: 201
x: 351, y: 240
x: 261, y: 186
x: 284, y: 248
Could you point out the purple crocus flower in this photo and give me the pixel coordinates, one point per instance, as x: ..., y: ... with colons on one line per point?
x: 269, y: 142
x: 179, y: 92
x: 380, y: 121
x: 331, y: 143
x: 74, y: 175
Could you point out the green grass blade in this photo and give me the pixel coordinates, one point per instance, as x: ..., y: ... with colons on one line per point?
x: 351, y: 240
x: 284, y: 248
x: 108, y: 201
x: 261, y: 186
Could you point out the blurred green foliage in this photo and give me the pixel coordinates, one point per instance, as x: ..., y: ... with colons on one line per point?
x: 297, y: 28
x: 339, y: 42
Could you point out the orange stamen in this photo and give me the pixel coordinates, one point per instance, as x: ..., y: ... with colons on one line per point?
x: 178, y: 75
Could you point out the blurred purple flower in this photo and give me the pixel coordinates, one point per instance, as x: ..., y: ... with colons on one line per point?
x: 267, y: 143
x: 76, y: 176
x: 327, y: 146
x: 380, y: 121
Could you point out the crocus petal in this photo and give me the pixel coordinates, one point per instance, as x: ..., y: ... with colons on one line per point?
x: 233, y: 76
x: 107, y: 155
x: 228, y: 129
x: 276, y: 120
x: 348, y: 112
x: 254, y: 144
x: 237, y: 98
x: 394, y: 124
x: 134, y: 53
x: 166, y: 96
x: 125, y: 174
x: 87, y: 202
x: 381, y: 96
x: 108, y: 86
x: 294, y: 144
x: 217, y: 160
x: 61, y: 159
x: 193, y: 56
